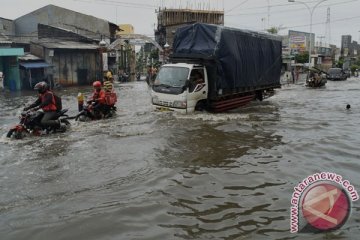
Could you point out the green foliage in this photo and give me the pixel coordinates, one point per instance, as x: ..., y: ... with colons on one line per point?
x: 273, y: 30
x: 155, y: 54
x: 357, y: 61
x: 354, y: 67
x: 340, y: 63
x: 302, y: 57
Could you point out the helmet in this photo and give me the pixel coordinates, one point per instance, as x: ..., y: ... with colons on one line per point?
x: 97, y: 84
x: 41, y: 87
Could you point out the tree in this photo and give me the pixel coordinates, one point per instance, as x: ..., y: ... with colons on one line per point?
x: 340, y: 63
x: 302, y: 57
x: 273, y: 30
x: 353, y: 68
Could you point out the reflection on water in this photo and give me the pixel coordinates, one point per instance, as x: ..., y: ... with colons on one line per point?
x: 146, y: 175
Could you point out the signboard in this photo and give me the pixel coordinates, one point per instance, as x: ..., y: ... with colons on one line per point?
x: 298, y: 43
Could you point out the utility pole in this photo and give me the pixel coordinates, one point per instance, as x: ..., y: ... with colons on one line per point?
x: 328, y: 29
x: 268, y: 23
x: 320, y: 41
x: 311, y: 11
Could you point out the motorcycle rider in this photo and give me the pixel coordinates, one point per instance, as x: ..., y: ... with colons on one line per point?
x: 46, y: 101
x: 98, y: 99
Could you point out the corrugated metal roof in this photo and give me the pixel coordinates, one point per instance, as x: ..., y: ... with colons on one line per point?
x: 58, y: 44
x: 35, y: 65
x: 29, y: 57
x: 4, y: 39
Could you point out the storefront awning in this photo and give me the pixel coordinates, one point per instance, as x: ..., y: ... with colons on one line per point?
x: 29, y: 65
x: 8, y: 52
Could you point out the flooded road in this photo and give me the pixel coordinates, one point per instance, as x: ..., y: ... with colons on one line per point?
x: 146, y: 175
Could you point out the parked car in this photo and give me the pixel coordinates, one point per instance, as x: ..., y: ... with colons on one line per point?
x: 336, y: 74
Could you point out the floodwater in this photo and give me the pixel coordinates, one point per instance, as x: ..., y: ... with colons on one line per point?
x: 147, y: 175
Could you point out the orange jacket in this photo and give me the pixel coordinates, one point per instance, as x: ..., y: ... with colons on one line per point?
x: 99, y: 96
x: 110, y: 98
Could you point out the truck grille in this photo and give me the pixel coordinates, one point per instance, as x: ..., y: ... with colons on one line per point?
x: 165, y: 103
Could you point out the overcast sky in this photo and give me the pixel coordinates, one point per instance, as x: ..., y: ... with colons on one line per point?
x: 247, y: 14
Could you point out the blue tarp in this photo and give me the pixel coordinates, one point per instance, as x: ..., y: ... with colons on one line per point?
x: 241, y: 58
x: 29, y: 65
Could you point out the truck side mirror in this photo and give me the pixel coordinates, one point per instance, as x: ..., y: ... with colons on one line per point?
x: 187, y: 83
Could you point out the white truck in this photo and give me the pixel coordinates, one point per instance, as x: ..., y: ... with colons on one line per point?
x: 217, y: 69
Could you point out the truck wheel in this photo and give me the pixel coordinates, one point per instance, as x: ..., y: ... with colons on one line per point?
x: 259, y: 95
x: 200, y: 106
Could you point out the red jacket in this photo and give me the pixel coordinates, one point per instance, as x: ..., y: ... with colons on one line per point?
x: 47, y: 104
x: 99, y: 96
x: 46, y: 101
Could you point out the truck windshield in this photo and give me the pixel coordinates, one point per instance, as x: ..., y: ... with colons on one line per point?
x: 172, y: 76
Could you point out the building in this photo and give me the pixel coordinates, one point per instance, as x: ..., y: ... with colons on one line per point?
x: 126, y: 29
x: 345, y: 45
x: 26, y: 27
x: 9, y: 53
x: 66, y: 42
x: 126, y: 53
x: 73, y: 63
x: 171, y: 19
x: 32, y: 70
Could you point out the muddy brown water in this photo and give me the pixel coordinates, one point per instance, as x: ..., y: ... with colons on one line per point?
x: 147, y: 175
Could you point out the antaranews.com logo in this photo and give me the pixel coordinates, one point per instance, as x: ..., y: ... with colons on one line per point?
x: 321, y: 202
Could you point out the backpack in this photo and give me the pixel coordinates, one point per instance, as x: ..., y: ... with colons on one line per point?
x: 58, y: 102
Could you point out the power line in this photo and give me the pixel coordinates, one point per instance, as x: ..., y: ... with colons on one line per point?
x: 127, y: 3
x: 283, y: 11
x: 236, y: 6
x: 119, y: 4
x: 321, y: 23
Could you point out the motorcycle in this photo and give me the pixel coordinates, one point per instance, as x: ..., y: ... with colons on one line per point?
x: 30, y: 124
x: 317, y: 78
x: 88, y: 113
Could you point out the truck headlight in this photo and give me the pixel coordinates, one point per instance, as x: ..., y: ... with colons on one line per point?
x: 155, y: 100
x: 180, y: 104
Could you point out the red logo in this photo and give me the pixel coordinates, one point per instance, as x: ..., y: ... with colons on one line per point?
x: 325, y: 207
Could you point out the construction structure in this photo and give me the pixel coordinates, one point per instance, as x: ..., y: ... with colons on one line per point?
x: 169, y: 19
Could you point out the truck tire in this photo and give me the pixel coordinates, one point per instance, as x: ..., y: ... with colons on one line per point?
x: 201, y: 105
x: 259, y: 95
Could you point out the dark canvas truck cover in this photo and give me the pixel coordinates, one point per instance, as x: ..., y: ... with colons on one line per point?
x: 241, y: 59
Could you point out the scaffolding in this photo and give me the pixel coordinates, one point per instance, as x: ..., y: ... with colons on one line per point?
x: 171, y: 19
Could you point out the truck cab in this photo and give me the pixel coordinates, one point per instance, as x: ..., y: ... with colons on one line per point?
x: 180, y: 87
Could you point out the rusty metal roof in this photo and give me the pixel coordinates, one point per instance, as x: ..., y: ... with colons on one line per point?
x: 4, y: 39
x: 60, y: 44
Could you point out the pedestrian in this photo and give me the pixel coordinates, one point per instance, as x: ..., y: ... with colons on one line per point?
x: 149, y: 75
x: 297, y: 72
x: 2, y: 77
x: 293, y: 75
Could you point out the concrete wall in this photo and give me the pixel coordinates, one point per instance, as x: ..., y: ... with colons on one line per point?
x: 127, y: 29
x: 7, y: 26
x: 60, y: 17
